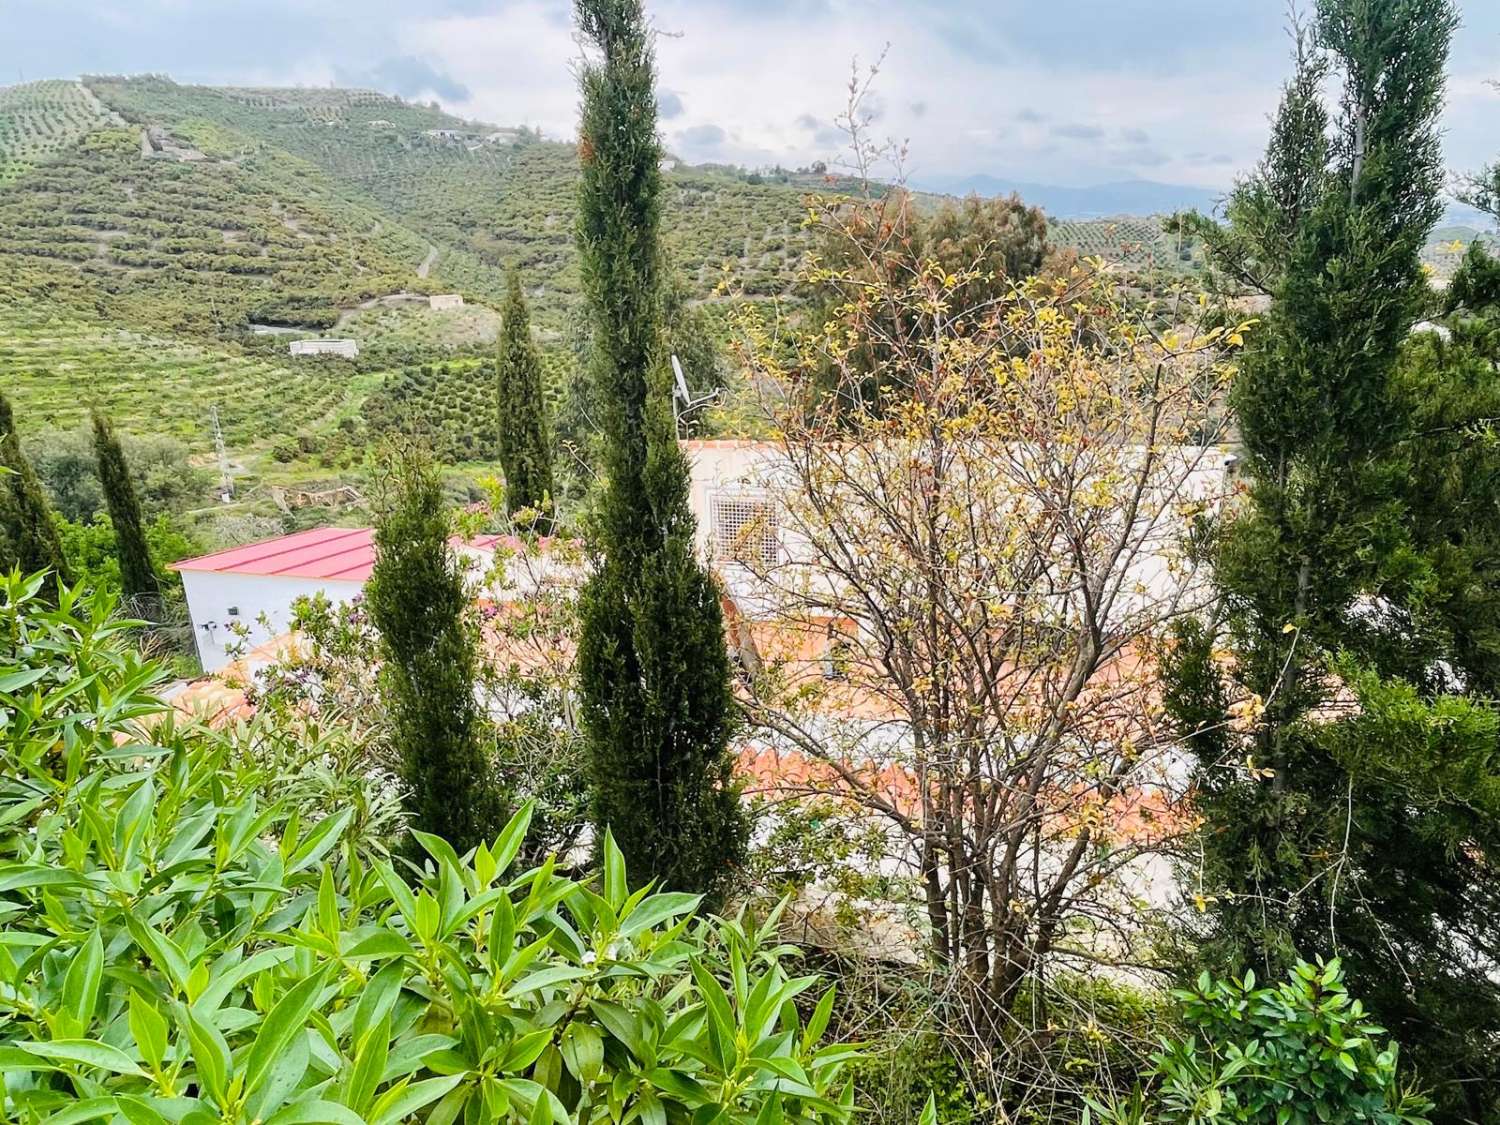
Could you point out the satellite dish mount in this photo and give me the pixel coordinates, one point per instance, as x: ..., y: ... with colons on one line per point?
x: 683, y: 402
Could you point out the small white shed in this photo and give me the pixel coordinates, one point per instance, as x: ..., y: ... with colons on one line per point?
x: 349, y: 349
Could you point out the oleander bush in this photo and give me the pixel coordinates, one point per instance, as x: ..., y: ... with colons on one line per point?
x: 186, y: 936
x: 1296, y: 1052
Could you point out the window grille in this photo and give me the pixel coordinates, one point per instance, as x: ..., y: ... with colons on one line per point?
x: 746, y: 530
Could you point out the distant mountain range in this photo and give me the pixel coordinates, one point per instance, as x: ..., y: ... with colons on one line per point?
x: 1124, y: 197
x: 1121, y: 197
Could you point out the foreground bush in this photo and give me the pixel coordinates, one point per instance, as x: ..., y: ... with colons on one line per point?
x: 1294, y: 1053
x: 174, y: 947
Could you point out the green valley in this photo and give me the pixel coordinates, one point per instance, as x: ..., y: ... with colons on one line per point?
x: 161, y: 244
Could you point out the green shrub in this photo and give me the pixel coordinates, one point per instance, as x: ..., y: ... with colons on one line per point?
x: 184, y: 937
x: 1297, y: 1052
x: 93, y: 554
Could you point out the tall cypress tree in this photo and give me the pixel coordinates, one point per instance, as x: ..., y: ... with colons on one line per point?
x: 32, y: 535
x: 1357, y: 567
x: 418, y: 600
x: 137, y: 573
x: 653, y: 670
x: 10, y: 551
x: 525, y: 438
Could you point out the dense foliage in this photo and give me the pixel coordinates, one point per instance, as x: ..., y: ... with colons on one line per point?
x: 987, y: 246
x: 29, y: 536
x: 1293, y: 1053
x: 1345, y: 741
x: 653, y: 672
x: 162, y: 473
x: 186, y: 937
x: 138, y: 576
x: 93, y: 552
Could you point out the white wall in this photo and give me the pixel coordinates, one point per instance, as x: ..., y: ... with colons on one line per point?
x: 212, y: 595
x: 731, y: 469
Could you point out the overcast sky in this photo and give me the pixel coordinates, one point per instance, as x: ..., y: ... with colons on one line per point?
x: 1061, y: 91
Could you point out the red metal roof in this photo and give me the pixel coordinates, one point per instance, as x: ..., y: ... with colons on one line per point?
x: 345, y: 554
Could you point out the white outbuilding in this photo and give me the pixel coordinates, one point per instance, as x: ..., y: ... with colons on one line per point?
x: 243, y: 597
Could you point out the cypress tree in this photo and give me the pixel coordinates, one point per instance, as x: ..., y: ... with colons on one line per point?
x: 418, y: 600
x: 137, y: 573
x: 1363, y: 563
x: 525, y: 438
x: 10, y: 552
x: 654, y: 674
x: 32, y: 534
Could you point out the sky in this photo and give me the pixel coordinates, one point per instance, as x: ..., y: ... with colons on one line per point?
x: 1071, y: 92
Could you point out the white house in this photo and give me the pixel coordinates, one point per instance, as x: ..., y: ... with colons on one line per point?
x: 439, y: 301
x: 346, y: 348
x: 742, y: 532
x: 243, y: 597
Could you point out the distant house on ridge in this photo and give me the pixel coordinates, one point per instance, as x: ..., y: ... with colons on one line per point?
x: 349, y: 349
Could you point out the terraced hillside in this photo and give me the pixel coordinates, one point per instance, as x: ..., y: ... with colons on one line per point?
x: 451, y: 405
x: 149, y: 230
x: 203, y: 245
x: 1134, y: 241
x: 42, y: 119
x: 59, y: 364
x: 485, y: 196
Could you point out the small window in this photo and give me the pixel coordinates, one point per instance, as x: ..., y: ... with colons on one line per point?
x: 746, y: 530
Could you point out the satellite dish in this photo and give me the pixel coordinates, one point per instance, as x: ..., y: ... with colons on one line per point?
x: 682, y: 397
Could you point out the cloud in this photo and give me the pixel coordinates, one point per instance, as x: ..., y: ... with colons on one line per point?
x: 1140, y: 156
x: 1078, y: 132
x: 411, y: 77
x: 1151, y: 79
x: 702, y: 140
x: 825, y: 137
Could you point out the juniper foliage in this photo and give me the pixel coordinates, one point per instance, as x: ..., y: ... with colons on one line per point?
x: 29, y: 537
x: 1364, y: 563
x: 419, y: 600
x: 653, y: 670
x: 137, y: 572
x: 525, y: 437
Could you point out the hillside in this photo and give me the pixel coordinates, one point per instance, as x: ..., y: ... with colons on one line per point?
x: 159, y: 243
x: 205, y: 210
x: 63, y: 363
x: 202, y: 246
x: 42, y: 119
x: 485, y: 196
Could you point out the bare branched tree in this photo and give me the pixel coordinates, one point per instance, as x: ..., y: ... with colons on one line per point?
x: 993, y: 544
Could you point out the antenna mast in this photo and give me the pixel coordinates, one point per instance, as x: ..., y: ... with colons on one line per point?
x: 682, y: 398
x: 226, y: 483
